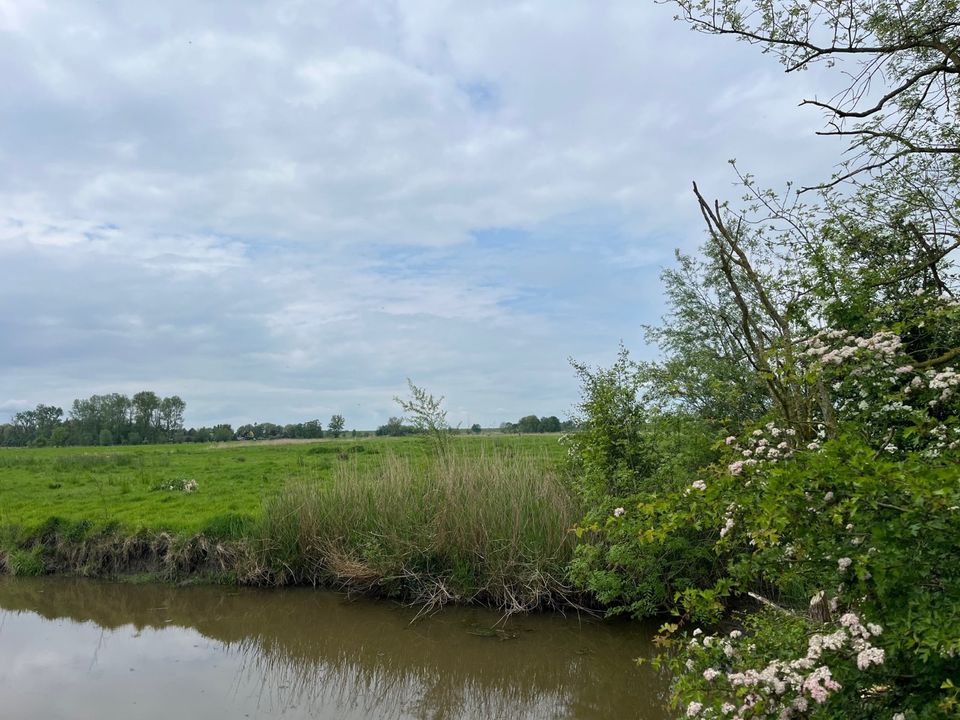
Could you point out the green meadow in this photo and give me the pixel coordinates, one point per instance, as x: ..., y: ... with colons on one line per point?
x: 470, y: 519
x: 131, y: 486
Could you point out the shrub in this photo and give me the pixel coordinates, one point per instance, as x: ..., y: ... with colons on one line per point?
x: 627, y: 454
x: 838, y: 539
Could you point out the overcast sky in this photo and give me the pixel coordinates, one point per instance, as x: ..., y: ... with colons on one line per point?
x: 282, y: 210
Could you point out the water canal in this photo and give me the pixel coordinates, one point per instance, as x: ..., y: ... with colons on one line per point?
x: 79, y: 649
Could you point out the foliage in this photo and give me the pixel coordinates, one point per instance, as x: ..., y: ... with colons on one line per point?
x: 335, y: 426
x: 625, y: 454
x: 909, y: 52
x: 394, y: 427
x: 533, y: 424
x: 310, y: 430
x: 843, y: 493
x: 825, y: 533
x: 116, y: 419
x: 99, y: 420
x: 840, y: 523
x: 427, y: 415
x: 817, y: 343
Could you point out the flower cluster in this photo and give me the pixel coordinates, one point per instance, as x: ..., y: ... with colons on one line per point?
x: 728, y: 522
x: 764, y: 445
x: 876, y: 384
x: 781, y: 688
x: 834, y: 347
x: 945, y: 382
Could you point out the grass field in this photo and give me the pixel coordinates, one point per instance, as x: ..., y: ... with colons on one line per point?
x: 477, y: 519
x: 127, y: 486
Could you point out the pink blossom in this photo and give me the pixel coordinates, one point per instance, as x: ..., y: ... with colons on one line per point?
x: 870, y: 656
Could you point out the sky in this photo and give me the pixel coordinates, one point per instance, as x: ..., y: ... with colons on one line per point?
x: 282, y: 210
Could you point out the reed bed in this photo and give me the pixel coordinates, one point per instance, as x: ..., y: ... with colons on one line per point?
x: 492, y: 527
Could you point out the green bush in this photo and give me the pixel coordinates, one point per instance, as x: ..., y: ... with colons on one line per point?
x: 845, y: 544
x: 624, y: 455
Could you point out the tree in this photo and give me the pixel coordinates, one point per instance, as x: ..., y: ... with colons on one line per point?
x: 901, y: 64
x: 48, y: 418
x: 550, y: 424
x: 34, y: 427
x: 427, y: 414
x: 476, y: 429
x: 528, y: 424
x: 222, y: 433
x: 394, y: 427
x: 864, y: 252
x: 823, y: 335
x: 171, y: 411
x: 114, y: 413
x: 312, y: 429
x: 335, y: 426
x: 899, y: 103
x: 146, y: 406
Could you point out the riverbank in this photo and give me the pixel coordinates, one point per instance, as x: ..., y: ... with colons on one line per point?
x: 485, y: 522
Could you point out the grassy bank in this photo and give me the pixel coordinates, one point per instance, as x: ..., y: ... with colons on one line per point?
x: 487, y: 521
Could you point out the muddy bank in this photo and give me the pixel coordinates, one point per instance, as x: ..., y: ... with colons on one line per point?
x: 79, y: 549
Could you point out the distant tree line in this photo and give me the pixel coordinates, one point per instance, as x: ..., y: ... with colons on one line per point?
x: 534, y: 424
x: 396, y: 427
x: 309, y: 430
x: 271, y: 431
x: 115, y: 419
x: 111, y: 419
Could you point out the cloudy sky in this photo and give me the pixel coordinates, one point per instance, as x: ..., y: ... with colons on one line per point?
x: 281, y: 210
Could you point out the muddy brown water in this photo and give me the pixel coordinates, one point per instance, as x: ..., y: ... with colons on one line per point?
x: 78, y: 649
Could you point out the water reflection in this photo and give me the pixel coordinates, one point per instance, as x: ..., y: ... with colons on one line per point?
x: 78, y: 649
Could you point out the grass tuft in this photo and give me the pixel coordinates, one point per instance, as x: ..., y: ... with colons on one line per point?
x: 491, y: 527
x: 25, y: 563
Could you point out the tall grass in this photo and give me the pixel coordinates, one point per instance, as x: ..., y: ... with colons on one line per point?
x: 492, y: 527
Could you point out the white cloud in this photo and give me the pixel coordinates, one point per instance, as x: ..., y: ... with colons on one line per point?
x: 277, y: 208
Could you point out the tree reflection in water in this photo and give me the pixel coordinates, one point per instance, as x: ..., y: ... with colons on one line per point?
x: 307, y: 653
